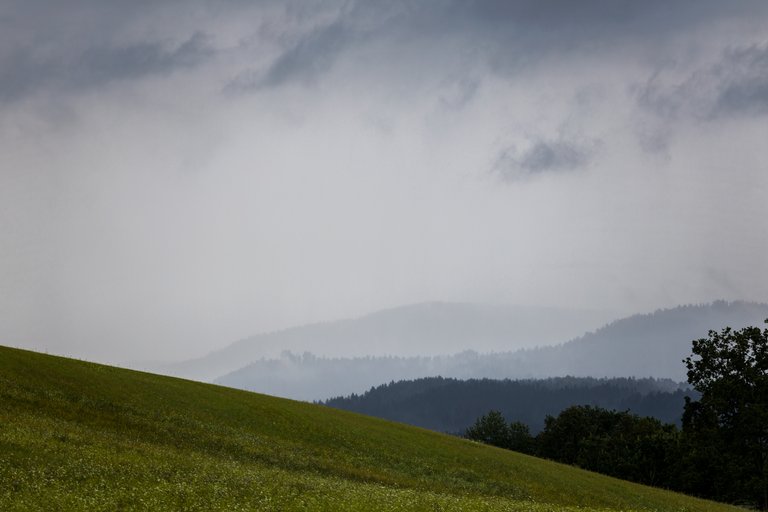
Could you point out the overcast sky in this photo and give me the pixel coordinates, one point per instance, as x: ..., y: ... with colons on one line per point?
x: 178, y: 175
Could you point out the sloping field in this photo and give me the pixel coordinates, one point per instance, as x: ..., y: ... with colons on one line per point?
x: 82, y: 436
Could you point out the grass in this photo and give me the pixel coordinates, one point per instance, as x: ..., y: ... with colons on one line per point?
x: 82, y: 436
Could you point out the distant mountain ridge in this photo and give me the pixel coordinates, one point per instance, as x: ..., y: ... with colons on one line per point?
x: 429, y: 328
x: 646, y: 345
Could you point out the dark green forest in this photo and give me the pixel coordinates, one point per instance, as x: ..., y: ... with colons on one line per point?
x: 452, y: 405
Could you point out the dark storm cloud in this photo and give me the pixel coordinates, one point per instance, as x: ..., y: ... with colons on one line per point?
x: 737, y: 85
x: 744, y: 82
x: 27, y: 71
x: 312, y: 55
x: 506, y: 34
x: 302, y: 62
x: 557, y: 21
x: 543, y: 156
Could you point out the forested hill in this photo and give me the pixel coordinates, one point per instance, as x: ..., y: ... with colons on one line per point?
x: 451, y: 405
x: 651, y: 345
x: 648, y: 345
x: 428, y: 328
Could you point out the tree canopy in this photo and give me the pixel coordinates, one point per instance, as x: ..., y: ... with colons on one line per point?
x: 727, y: 428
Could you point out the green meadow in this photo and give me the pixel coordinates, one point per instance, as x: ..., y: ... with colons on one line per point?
x: 81, y: 436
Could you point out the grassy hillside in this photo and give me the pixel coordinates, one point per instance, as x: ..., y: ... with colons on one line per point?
x: 82, y: 436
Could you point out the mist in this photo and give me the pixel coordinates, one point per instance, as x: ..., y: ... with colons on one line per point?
x: 175, y: 176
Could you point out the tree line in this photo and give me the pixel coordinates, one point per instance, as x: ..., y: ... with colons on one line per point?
x: 450, y: 405
x: 721, y: 451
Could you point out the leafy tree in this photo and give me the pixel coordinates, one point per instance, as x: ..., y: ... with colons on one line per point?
x: 493, y: 429
x: 727, y: 428
x: 490, y: 429
x: 563, y: 435
x: 614, y: 443
x: 520, y: 439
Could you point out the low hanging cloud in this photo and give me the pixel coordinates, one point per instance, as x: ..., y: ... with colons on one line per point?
x: 507, y: 35
x: 736, y: 85
x: 304, y: 61
x: 732, y: 86
x: 744, y: 85
x: 27, y: 71
x: 544, y: 156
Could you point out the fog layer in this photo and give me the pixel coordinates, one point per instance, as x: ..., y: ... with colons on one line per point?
x: 175, y: 176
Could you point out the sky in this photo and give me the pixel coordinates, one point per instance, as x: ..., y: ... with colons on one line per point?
x: 177, y: 175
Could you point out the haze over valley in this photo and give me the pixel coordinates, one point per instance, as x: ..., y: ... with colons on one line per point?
x: 427, y: 329
x: 178, y: 176
x: 647, y: 345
